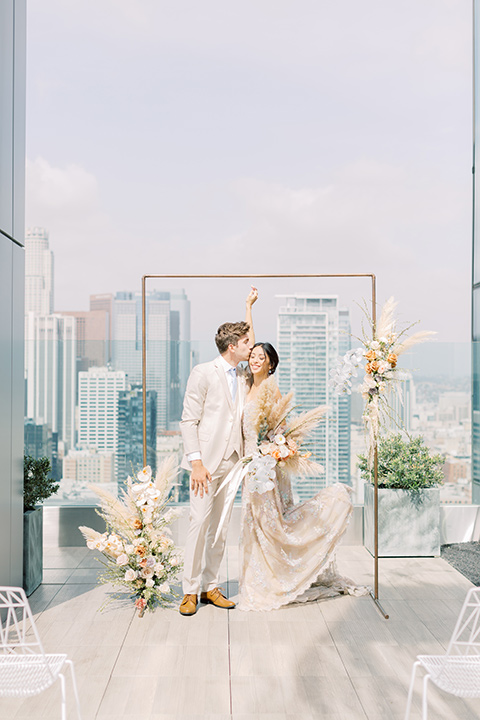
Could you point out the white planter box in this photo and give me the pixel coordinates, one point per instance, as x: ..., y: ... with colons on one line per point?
x: 408, y: 523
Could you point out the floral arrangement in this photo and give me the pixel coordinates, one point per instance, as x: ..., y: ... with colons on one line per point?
x: 140, y: 555
x: 381, y: 350
x: 279, y: 439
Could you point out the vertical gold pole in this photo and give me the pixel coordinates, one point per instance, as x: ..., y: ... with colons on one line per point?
x: 144, y: 370
x: 375, y: 474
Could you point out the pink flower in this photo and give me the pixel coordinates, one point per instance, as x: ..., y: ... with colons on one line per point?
x: 140, y: 603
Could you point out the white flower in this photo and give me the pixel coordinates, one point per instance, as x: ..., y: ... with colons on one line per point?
x: 129, y: 548
x: 174, y: 561
x: 374, y: 345
x: 150, y: 561
x: 159, y: 569
x: 146, y: 572
x: 165, y: 543
x: 130, y: 575
x: 261, y: 472
x: 92, y: 544
x: 164, y: 588
x: 279, y: 439
x: 145, y: 475
x: 383, y: 367
x: 122, y: 559
x: 149, y: 582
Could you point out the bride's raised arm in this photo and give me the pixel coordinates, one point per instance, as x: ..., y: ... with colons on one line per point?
x: 251, y: 298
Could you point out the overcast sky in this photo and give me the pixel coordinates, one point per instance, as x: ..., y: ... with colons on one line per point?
x: 267, y: 136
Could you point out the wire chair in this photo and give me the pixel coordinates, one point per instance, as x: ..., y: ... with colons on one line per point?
x: 25, y: 669
x: 458, y: 671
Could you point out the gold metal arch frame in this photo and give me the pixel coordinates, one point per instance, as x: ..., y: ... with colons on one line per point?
x: 372, y: 277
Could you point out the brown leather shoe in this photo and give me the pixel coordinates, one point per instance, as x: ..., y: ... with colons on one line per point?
x: 188, y: 606
x: 216, y: 598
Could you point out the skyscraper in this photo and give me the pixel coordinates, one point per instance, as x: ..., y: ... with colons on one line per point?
x: 50, y: 369
x: 130, y: 431
x: 312, y: 332
x: 92, y: 331
x: 168, y: 351
x: 98, y: 392
x: 38, y: 272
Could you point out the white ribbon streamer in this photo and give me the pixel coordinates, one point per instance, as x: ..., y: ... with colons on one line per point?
x: 233, y: 480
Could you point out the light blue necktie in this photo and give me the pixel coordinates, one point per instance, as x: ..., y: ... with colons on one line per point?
x: 233, y: 373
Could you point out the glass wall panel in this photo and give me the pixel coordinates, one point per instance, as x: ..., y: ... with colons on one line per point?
x: 84, y: 406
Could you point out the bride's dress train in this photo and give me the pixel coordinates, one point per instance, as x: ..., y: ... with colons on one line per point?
x: 287, y: 551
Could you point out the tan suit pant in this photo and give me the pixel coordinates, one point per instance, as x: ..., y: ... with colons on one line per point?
x: 202, y: 556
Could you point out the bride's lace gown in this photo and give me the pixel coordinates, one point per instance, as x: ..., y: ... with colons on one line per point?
x: 287, y: 551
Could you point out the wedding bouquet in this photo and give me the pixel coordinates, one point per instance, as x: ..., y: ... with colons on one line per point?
x: 140, y: 555
x: 280, y: 439
x: 381, y: 350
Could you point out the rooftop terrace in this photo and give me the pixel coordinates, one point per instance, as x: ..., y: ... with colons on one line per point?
x: 334, y: 659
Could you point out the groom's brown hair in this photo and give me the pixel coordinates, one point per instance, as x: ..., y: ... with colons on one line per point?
x: 230, y: 333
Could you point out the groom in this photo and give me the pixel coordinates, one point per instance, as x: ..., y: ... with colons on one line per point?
x: 212, y: 439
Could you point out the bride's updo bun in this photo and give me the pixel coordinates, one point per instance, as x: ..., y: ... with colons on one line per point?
x: 272, y: 355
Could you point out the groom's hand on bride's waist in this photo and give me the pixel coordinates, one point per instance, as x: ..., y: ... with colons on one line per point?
x: 200, y: 478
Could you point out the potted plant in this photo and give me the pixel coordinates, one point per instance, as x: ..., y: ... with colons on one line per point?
x: 408, y: 498
x: 37, y: 487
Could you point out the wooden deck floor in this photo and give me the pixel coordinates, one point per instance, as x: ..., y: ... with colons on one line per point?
x: 336, y: 659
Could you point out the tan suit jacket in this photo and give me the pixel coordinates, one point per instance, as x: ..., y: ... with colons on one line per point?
x: 211, y: 422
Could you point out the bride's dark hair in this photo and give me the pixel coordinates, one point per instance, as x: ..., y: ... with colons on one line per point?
x: 271, y: 353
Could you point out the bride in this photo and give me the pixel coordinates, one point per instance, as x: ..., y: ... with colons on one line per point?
x: 287, y: 551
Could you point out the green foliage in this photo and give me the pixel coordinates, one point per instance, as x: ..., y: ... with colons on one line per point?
x: 37, y: 486
x: 404, y: 464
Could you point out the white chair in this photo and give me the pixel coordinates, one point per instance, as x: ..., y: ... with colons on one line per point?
x: 25, y: 669
x: 458, y: 671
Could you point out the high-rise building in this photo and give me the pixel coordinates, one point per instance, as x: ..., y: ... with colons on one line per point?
x: 312, y: 332
x: 92, y: 332
x: 98, y: 392
x: 38, y: 272
x: 168, y: 350
x: 50, y: 369
x: 130, y: 431
x: 37, y: 438
x: 104, y: 302
x: 89, y: 466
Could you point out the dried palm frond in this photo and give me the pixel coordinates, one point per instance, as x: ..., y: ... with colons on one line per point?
x: 113, y: 510
x: 89, y: 534
x: 298, y: 428
x: 166, y: 474
x: 265, y: 401
x: 415, y: 339
x: 300, y: 465
x: 386, y: 323
x: 280, y: 410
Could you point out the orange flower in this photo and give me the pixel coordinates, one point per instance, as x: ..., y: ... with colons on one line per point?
x: 392, y: 359
x: 374, y: 365
x: 368, y: 368
x: 143, y: 563
x: 370, y: 355
x: 137, y: 524
x: 141, y: 550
